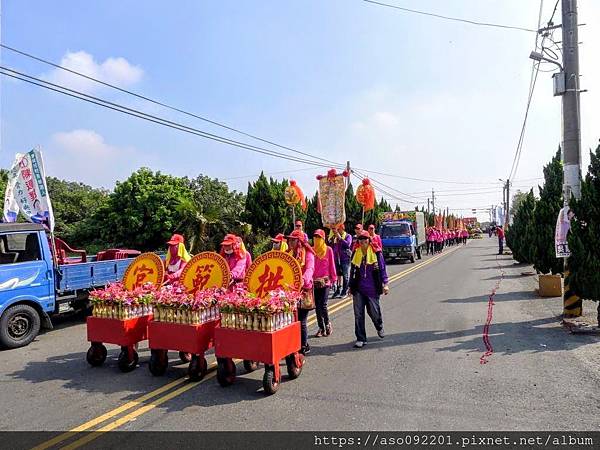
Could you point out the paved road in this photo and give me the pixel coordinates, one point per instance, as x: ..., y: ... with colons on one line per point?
x: 426, y: 374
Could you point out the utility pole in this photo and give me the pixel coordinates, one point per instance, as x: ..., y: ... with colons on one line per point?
x: 571, y: 145
x: 428, y: 210
x: 507, y: 216
x: 571, y: 129
x: 433, y: 201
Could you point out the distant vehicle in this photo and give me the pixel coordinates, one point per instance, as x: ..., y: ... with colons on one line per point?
x: 403, y: 235
x: 34, y: 285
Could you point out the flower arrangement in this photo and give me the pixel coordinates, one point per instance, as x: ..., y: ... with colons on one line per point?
x: 243, y: 310
x: 174, y: 304
x: 116, y: 302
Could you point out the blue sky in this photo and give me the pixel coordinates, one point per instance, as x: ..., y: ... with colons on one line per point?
x: 347, y: 80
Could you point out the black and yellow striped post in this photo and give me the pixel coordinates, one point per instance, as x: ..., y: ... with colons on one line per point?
x: 572, y: 304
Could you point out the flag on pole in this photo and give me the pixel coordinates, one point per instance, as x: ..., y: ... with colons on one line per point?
x: 27, y: 181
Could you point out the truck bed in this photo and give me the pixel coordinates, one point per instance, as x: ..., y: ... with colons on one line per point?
x: 91, y: 274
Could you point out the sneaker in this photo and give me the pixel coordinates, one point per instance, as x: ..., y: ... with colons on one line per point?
x: 320, y: 333
x: 305, y: 350
x: 359, y: 344
x: 381, y: 333
x: 328, y: 329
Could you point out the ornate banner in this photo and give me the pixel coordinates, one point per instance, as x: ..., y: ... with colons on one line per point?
x: 332, y: 195
x: 146, y: 268
x: 273, y: 270
x: 204, y: 271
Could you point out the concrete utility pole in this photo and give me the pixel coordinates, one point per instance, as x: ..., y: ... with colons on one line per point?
x: 433, y: 201
x: 571, y: 128
x: 571, y: 139
x: 507, y: 215
x: 428, y: 210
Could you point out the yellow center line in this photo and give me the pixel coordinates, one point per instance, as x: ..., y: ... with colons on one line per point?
x: 157, y: 402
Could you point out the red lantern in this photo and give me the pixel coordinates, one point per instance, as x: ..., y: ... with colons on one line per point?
x: 365, y: 195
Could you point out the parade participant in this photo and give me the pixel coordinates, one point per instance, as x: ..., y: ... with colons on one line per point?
x: 464, y: 236
x: 358, y: 229
x: 298, y: 226
x: 305, y: 255
x: 342, y: 251
x: 237, y: 257
x: 500, y: 232
x: 279, y: 243
x: 368, y: 280
x: 375, y: 238
x: 323, y: 278
x: 429, y: 237
x: 439, y: 240
x: 176, y: 259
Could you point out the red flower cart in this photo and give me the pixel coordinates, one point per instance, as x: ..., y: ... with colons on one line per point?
x: 258, y: 346
x: 260, y: 326
x: 125, y: 333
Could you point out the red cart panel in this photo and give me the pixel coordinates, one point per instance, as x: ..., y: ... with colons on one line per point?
x: 119, y: 332
x: 266, y: 347
x: 195, y: 339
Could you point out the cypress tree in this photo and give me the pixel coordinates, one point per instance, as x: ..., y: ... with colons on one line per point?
x: 520, y: 235
x: 545, y: 215
x: 584, y: 237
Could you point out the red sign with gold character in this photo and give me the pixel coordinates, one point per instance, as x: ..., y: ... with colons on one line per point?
x: 204, y: 271
x: 273, y: 270
x: 146, y: 268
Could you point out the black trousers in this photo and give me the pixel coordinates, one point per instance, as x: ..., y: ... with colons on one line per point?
x: 321, y: 298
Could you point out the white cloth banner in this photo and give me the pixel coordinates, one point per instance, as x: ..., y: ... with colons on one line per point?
x: 27, y: 179
x: 11, y: 207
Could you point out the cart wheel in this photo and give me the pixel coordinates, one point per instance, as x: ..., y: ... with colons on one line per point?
x: 96, y: 354
x: 127, y: 364
x: 270, y: 384
x: 250, y: 366
x: 185, y: 357
x: 159, y: 361
x: 225, y: 371
x: 197, y: 368
x: 294, y: 367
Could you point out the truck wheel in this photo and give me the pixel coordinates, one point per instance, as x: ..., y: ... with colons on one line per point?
x: 412, y: 257
x: 19, y: 325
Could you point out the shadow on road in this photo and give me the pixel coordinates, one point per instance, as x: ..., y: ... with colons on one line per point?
x: 506, y: 297
x: 507, y: 338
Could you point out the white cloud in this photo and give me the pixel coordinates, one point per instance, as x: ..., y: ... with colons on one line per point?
x: 116, y: 71
x: 85, y: 155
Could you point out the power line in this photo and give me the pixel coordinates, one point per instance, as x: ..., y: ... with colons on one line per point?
x: 241, y: 177
x: 532, y: 82
x: 151, y: 118
x: 423, y: 179
x: 157, y: 102
x: 455, y: 19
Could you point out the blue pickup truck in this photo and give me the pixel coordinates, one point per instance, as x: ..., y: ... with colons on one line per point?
x: 403, y: 235
x: 33, y: 287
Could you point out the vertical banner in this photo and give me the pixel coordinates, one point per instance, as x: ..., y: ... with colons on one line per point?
x: 332, y: 192
x: 563, y: 225
x: 11, y: 207
x: 28, y: 179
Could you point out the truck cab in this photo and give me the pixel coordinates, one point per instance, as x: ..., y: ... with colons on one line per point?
x: 398, y: 239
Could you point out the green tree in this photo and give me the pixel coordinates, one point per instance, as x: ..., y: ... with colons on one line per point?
x: 353, y: 210
x: 3, y: 181
x: 73, y: 203
x: 546, y: 212
x: 584, y: 238
x: 209, y: 213
x: 266, y: 209
x: 313, y: 218
x: 520, y: 235
x: 144, y: 210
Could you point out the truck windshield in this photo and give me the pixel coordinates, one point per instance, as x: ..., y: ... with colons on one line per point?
x: 401, y: 229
